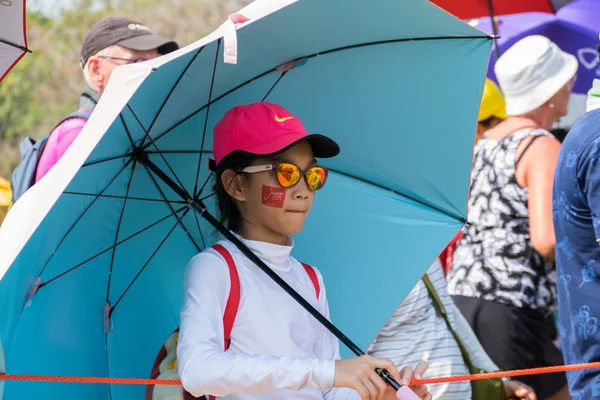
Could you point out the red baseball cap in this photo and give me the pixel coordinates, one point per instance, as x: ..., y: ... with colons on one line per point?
x: 264, y: 129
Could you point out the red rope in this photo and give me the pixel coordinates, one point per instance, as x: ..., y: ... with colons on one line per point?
x: 81, y: 379
x: 506, y: 374
x: 128, y: 381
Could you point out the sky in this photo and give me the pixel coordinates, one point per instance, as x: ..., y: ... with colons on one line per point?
x: 47, y: 6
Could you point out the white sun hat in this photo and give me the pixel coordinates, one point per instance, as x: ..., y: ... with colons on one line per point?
x: 532, y: 71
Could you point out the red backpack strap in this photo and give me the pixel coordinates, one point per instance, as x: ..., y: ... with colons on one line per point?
x: 312, y: 274
x: 233, y: 301
x: 231, y: 309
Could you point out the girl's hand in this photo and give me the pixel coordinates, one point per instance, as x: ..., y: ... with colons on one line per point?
x: 518, y: 390
x: 359, y: 374
x: 406, y: 375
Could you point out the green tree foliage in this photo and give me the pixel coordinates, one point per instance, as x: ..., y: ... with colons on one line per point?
x: 45, y: 85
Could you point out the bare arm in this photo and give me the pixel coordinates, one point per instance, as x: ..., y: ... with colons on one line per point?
x: 536, y: 172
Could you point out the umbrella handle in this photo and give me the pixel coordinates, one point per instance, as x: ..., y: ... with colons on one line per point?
x: 385, y: 375
x: 198, y: 206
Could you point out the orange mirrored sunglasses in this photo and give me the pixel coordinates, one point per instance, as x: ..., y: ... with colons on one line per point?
x: 288, y: 174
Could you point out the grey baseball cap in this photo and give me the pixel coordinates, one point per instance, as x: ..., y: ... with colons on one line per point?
x: 125, y: 32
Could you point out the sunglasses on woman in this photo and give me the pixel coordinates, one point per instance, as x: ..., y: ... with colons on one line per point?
x: 288, y: 174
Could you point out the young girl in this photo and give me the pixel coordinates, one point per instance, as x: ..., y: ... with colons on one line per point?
x: 266, y: 178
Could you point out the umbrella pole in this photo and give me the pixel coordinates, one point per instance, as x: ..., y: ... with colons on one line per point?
x: 494, y: 27
x: 198, y: 206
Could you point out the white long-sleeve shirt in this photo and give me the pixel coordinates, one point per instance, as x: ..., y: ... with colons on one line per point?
x: 278, y: 350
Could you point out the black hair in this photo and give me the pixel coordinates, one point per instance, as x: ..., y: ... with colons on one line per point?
x: 560, y: 133
x: 229, y: 213
x: 487, y: 123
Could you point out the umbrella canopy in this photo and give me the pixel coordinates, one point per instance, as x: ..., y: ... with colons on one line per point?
x: 13, y: 36
x: 94, y: 254
x: 574, y: 29
x: 581, y: 13
x: 466, y: 9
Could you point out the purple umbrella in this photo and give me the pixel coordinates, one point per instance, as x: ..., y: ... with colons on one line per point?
x: 574, y: 28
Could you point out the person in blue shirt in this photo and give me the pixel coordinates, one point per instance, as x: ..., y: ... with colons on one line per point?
x: 576, y: 215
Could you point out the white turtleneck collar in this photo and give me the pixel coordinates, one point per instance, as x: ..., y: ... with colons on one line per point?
x: 275, y: 255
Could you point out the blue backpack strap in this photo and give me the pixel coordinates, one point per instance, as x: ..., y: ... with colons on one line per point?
x: 77, y: 114
x: 23, y: 176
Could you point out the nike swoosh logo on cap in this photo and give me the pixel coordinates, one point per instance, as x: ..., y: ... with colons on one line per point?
x: 278, y: 119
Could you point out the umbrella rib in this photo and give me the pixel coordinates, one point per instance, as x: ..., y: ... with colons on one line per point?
x: 178, y: 152
x: 147, y: 135
x: 164, y: 103
x: 111, y: 247
x: 212, y: 84
x: 170, y: 207
x: 206, y: 105
x: 200, y: 230
x: 84, y: 212
x: 275, y: 84
x: 112, y: 309
x: 208, y: 197
x: 196, y: 214
x: 127, y: 128
x: 147, y: 152
x: 105, y: 160
x: 108, y: 196
x: 107, y: 365
x: 116, y: 237
x: 8, y: 42
x: 421, y: 202
x: 389, y: 41
x: 205, y: 183
x: 486, y: 37
x: 114, y: 250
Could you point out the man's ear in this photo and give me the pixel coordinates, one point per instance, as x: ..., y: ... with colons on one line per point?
x: 93, y: 66
x: 234, y: 182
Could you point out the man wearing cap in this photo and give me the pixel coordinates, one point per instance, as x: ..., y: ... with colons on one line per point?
x: 111, y: 42
x: 576, y: 213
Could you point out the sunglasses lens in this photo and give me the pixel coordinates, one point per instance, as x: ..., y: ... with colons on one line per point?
x: 316, y: 177
x: 288, y: 174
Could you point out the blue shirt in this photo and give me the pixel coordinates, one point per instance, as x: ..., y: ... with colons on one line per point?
x: 576, y: 214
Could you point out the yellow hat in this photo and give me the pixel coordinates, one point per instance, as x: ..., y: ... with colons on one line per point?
x: 5, y: 193
x: 492, y: 102
x: 5, y: 199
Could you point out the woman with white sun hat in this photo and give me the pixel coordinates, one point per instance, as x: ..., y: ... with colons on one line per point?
x: 501, y: 278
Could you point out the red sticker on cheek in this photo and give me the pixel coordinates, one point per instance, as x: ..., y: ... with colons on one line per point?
x: 273, y: 197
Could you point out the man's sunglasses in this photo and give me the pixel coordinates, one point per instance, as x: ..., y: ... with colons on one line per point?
x: 129, y: 60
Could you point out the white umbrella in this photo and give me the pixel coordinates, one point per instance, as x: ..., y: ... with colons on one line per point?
x: 13, y: 36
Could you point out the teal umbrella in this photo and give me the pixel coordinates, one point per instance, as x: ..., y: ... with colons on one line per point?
x: 94, y: 254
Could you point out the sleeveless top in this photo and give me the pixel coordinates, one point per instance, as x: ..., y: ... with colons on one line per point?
x: 495, y: 259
